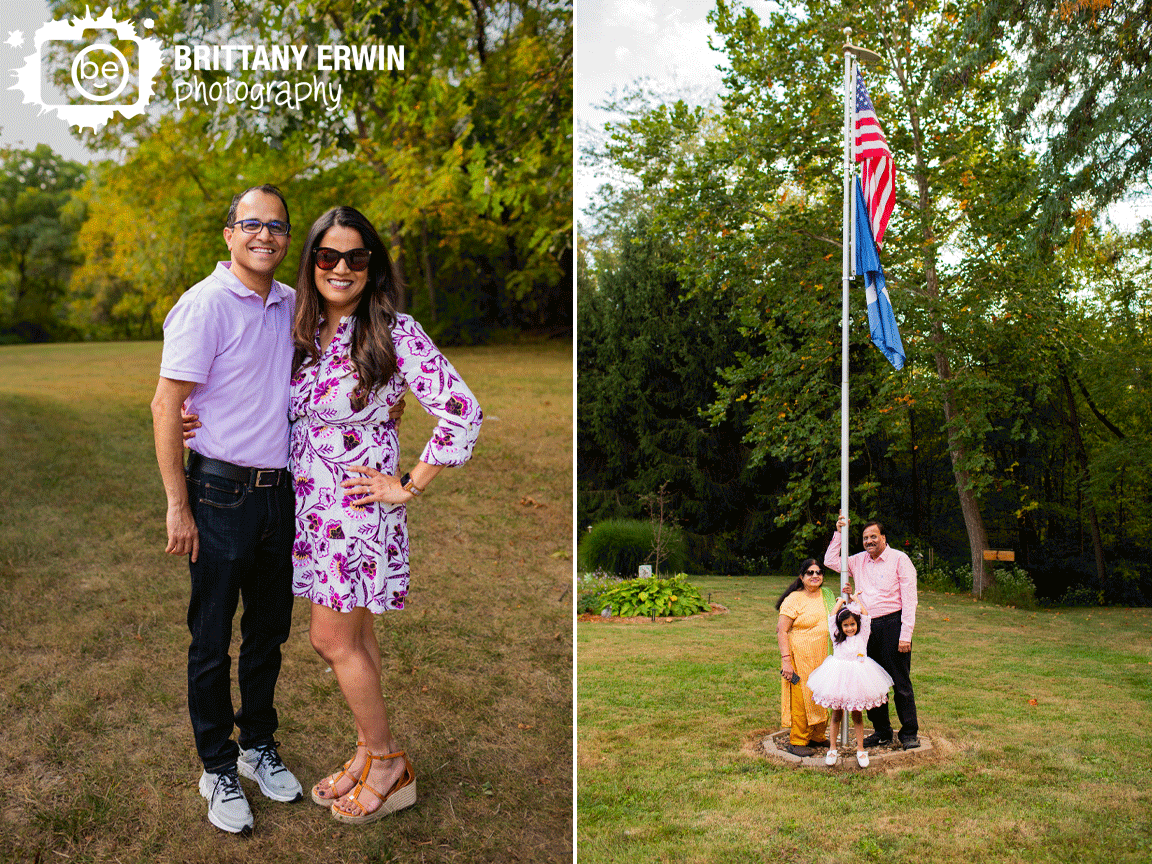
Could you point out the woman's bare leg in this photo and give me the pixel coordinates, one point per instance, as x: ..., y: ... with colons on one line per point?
x: 348, y: 643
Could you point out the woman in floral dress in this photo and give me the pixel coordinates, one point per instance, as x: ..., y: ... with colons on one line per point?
x: 355, y: 358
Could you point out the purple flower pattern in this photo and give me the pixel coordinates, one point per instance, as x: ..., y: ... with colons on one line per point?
x: 347, y: 556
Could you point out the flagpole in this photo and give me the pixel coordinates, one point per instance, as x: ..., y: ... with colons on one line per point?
x: 845, y: 264
x: 851, y: 53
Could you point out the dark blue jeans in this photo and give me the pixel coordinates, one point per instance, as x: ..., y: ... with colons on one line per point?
x: 884, y: 648
x: 246, y: 539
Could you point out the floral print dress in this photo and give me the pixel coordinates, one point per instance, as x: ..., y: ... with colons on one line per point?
x: 347, y: 556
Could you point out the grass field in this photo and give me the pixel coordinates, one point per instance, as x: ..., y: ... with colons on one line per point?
x: 1041, y: 721
x: 97, y: 761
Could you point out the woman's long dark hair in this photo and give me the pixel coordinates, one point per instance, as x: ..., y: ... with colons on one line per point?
x: 843, y: 615
x: 373, y: 354
x: 797, y: 584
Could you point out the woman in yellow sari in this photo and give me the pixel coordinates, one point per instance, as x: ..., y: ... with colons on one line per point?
x: 802, y: 633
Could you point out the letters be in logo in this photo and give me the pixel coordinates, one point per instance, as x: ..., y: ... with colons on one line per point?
x: 111, y: 69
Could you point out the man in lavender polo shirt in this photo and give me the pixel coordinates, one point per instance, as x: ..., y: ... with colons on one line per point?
x: 886, y: 580
x: 228, y: 355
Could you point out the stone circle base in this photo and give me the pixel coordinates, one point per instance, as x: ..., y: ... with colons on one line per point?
x: 885, y: 756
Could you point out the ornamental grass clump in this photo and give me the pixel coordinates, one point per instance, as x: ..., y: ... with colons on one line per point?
x: 620, y: 546
x: 671, y: 597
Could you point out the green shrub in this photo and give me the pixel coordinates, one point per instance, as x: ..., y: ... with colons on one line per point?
x: 655, y: 596
x: 1082, y: 595
x: 590, y: 588
x: 946, y: 578
x: 620, y: 546
x: 1012, y: 588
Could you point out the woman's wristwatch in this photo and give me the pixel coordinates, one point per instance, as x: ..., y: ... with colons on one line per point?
x: 409, y: 485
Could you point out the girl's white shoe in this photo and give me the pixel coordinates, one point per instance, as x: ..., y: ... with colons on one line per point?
x: 862, y: 758
x: 830, y: 757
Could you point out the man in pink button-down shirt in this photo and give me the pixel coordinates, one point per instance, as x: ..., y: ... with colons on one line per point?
x: 886, y: 580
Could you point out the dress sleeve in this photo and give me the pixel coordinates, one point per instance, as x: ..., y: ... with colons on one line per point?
x: 441, y: 391
x: 788, y: 608
x: 865, y: 626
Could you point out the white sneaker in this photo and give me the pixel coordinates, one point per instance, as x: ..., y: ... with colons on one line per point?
x: 263, y: 764
x: 862, y: 758
x: 830, y: 757
x: 228, y: 809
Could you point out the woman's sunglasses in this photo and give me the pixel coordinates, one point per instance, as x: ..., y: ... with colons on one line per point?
x: 357, y: 259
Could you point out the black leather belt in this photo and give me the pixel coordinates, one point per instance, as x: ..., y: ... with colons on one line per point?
x: 256, y: 478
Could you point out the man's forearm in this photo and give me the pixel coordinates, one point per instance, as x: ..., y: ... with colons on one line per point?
x: 168, y: 433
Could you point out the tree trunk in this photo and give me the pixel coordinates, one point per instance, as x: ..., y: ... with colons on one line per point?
x: 915, y: 474
x: 969, y: 506
x: 427, y: 261
x: 397, y: 243
x: 1082, y: 452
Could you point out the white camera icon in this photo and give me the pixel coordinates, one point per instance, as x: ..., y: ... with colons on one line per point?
x: 101, y: 72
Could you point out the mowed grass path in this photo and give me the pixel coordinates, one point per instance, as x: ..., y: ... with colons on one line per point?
x: 97, y: 761
x: 1044, y: 751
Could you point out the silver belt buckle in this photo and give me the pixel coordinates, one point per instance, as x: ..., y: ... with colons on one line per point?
x: 260, y: 477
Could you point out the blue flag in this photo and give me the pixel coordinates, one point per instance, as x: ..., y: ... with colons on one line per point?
x: 881, y: 321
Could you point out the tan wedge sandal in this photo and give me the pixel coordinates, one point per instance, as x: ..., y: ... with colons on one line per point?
x: 328, y: 784
x: 401, y: 795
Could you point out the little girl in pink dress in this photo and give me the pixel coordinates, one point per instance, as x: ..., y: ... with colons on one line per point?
x: 849, y: 680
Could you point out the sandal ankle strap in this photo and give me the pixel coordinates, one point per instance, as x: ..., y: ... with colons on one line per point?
x: 382, y: 756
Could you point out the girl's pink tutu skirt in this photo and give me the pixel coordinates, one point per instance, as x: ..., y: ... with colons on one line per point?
x: 849, y: 685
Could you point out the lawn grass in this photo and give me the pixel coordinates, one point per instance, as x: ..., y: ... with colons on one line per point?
x: 1041, y: 721
x: 97, y: 761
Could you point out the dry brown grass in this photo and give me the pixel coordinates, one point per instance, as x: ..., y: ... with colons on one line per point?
x: 96, y: 753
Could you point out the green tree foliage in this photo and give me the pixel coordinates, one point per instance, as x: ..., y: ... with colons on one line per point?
x: 994, y: 324
x: 155, y: 223
x: 467, y: 148
x: 39, y: 217
x: 1081, y: 91
x: 647, y: 364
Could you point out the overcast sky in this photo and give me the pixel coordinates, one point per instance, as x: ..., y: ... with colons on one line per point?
x: 23, y: 125
x: 619, y: 42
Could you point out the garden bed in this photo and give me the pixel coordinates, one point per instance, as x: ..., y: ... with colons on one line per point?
x: 717, y: 609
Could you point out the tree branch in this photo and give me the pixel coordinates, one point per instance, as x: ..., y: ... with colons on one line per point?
x: 1092, y: 405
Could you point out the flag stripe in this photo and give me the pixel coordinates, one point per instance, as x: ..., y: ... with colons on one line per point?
x: 879, y: 174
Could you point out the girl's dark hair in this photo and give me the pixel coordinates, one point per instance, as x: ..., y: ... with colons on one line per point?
x: 843, y: 615
x: 797, y: 583
x: 373, y: 354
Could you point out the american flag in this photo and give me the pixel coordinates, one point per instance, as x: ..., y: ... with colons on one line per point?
x: 878, y: 172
